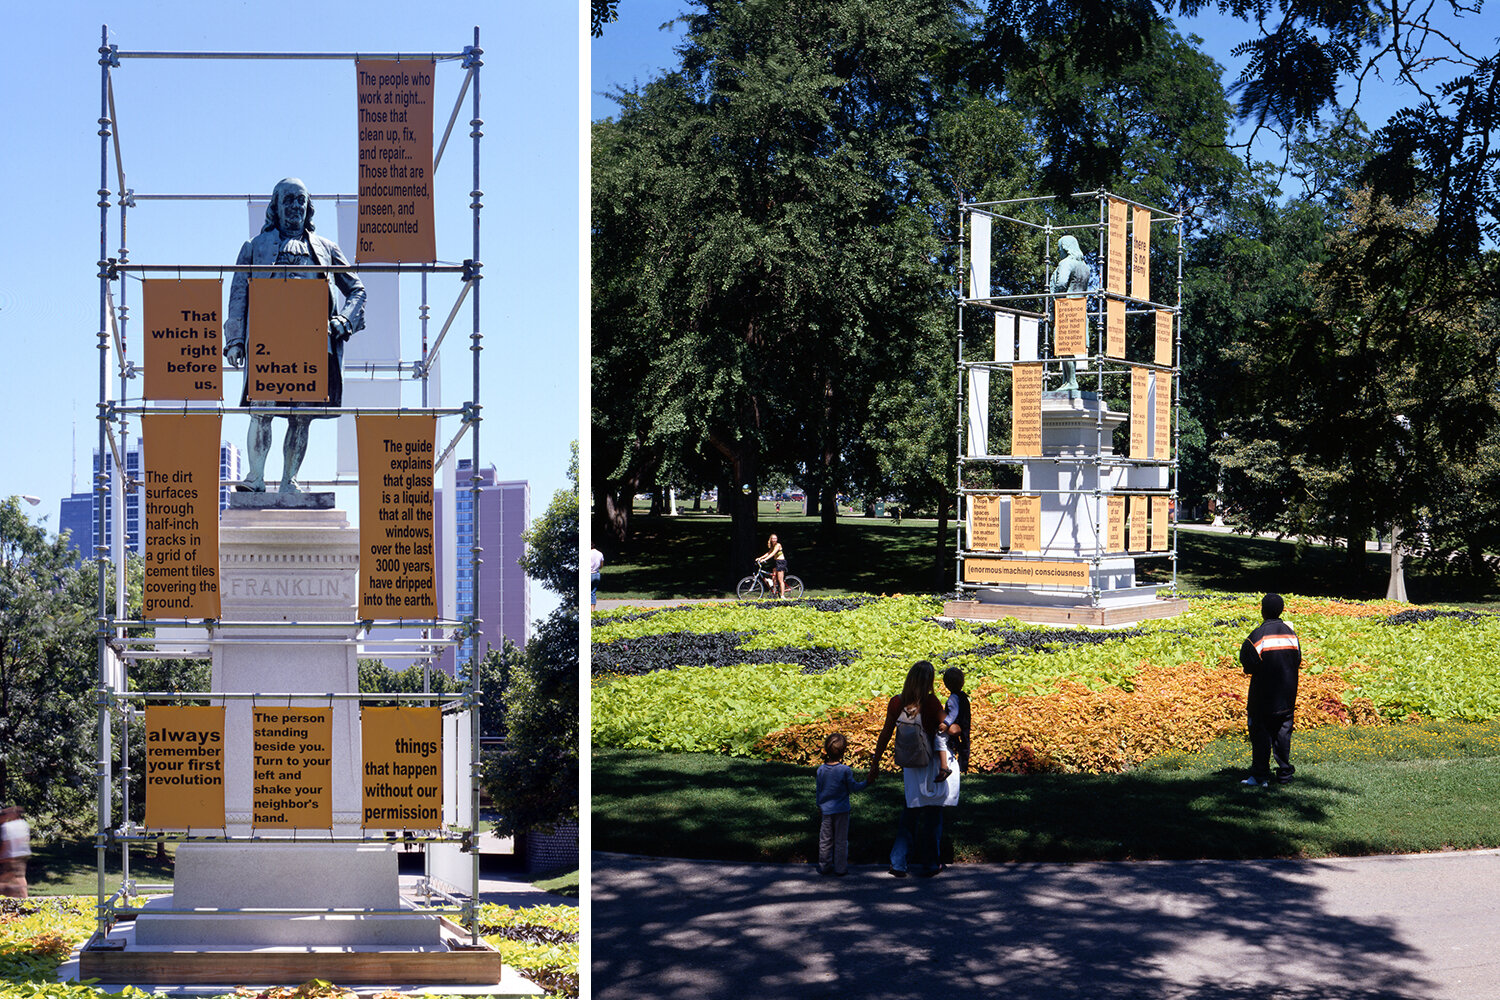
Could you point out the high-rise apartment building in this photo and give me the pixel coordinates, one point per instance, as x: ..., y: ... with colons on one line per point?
x: 502, y: 597
x: 79, y: 513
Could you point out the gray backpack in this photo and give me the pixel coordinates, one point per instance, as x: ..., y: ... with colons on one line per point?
x: 912, y: 748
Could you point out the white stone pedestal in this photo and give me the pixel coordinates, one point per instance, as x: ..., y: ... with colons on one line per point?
x: 1078, y: 426
x: 281, y: 566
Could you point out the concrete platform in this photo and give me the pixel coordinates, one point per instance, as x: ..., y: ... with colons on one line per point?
x: 982, y: 611
x: 119, y: 958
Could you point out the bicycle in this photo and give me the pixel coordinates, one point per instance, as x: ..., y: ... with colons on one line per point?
x: 755, y: 586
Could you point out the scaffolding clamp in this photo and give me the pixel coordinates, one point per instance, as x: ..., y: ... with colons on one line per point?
x: 109, y: 56
x: 471, y: 56
x: 471, y: 270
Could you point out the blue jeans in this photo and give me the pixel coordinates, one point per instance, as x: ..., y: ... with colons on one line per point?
x: 593, y: 589
x: 917, y: 838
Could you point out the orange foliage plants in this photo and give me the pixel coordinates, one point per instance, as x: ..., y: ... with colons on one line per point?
x: 1076, y: 728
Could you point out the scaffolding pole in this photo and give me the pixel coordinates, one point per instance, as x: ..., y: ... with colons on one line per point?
x: 112, y: 482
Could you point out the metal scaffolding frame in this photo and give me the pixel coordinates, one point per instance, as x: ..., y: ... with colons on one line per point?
x: 116, y: 648
x: 1010, y: 211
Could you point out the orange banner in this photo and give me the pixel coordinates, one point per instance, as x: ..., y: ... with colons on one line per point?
x: 181, y: 473
x: 1071, y: 327
x: 1026, y: 410
x: 184, y: 767
x: 1161, y: 438
x: 1163, y: 337
x: 1119, y: 255
x: 1114, y: 538
x: 293, y: 768
x: 984, y: 523
x: 1138, y: 509
x: 288, y: 341
x: 397, y: 571
x: 403, y: 768
x: 1140, y: 394
x: 1026, y: 524
x: 1026, y: 572
x: 1140, y: 257
x: 395, y: 161
x: 180, y: 359
x: 1114, y: 325
x: 1160, y: 521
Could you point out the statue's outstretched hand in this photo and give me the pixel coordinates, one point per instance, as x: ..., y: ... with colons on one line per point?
x: 234, y: 354
x: 339, y: 329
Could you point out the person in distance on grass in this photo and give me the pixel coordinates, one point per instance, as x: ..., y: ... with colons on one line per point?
x: 835, y: 783
x: 1271, y: 655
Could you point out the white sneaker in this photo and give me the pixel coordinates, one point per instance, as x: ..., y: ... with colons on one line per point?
x: 1255, y: 783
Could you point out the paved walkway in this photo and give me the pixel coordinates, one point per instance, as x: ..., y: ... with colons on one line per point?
x: 1413, y: 927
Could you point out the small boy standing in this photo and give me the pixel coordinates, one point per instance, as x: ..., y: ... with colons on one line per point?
x: 952, y: 736
x: 835, y: 783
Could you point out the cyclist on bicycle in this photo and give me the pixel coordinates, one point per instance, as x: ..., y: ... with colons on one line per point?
x: 778, y: 575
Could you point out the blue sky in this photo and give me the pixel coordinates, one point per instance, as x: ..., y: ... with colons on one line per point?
x: 196, y: 126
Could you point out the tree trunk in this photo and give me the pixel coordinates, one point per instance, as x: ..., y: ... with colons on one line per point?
x: 942, y: 579
x: 1354, y: 556
x: 740, y: 500
x: 745, y: 544
x: 616, y: 516
x: 829, y: 525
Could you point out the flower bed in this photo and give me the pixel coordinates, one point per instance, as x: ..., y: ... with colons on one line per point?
x: 1042, y: 699
x: 36, y: 935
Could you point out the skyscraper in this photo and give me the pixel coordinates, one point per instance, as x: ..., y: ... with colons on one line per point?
x: 79, y: 512
x: 503, y: 591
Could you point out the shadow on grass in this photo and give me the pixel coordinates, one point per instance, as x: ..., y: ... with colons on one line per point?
x: 714, y: 807
x: 687, y: 556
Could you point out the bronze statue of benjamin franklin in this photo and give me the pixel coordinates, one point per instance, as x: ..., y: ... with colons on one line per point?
x: 288, y: 238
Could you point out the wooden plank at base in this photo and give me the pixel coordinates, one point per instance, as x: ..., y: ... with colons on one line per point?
x: 480, y: 965
x: 981, y: 612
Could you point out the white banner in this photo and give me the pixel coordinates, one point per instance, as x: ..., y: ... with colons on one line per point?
x: 1005, y: 336
x: 979, y: 412
x: 979, y: 256
x: 1029, y: 337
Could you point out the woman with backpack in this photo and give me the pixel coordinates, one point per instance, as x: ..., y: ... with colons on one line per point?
x: 912, y: 717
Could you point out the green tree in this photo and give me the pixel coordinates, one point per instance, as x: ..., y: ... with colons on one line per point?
x: 533, y: 780
x: 551, y: 556
x: 48, y: 672
x: 762, y: 246
x: 1355, y: 409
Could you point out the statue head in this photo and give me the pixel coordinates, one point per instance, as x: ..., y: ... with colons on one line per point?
x: 291, y: 208
x: 1069, y: 246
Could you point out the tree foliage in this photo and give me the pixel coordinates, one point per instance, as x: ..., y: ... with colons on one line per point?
x: 551, y: 556
x: 1352, y: 410
x: 773, y: 242
x: 533, y: 780
x: 48, y: 671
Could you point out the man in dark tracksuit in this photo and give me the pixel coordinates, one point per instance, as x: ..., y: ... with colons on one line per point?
x: 1271, y: 656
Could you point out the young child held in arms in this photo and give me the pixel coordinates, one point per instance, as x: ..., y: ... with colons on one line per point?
x: 952, y: 735
x: 835, y: 783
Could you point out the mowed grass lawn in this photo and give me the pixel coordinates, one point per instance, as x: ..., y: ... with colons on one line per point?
x: 710, y: 806
x: 1420, y: 785
x: 686, y: 557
